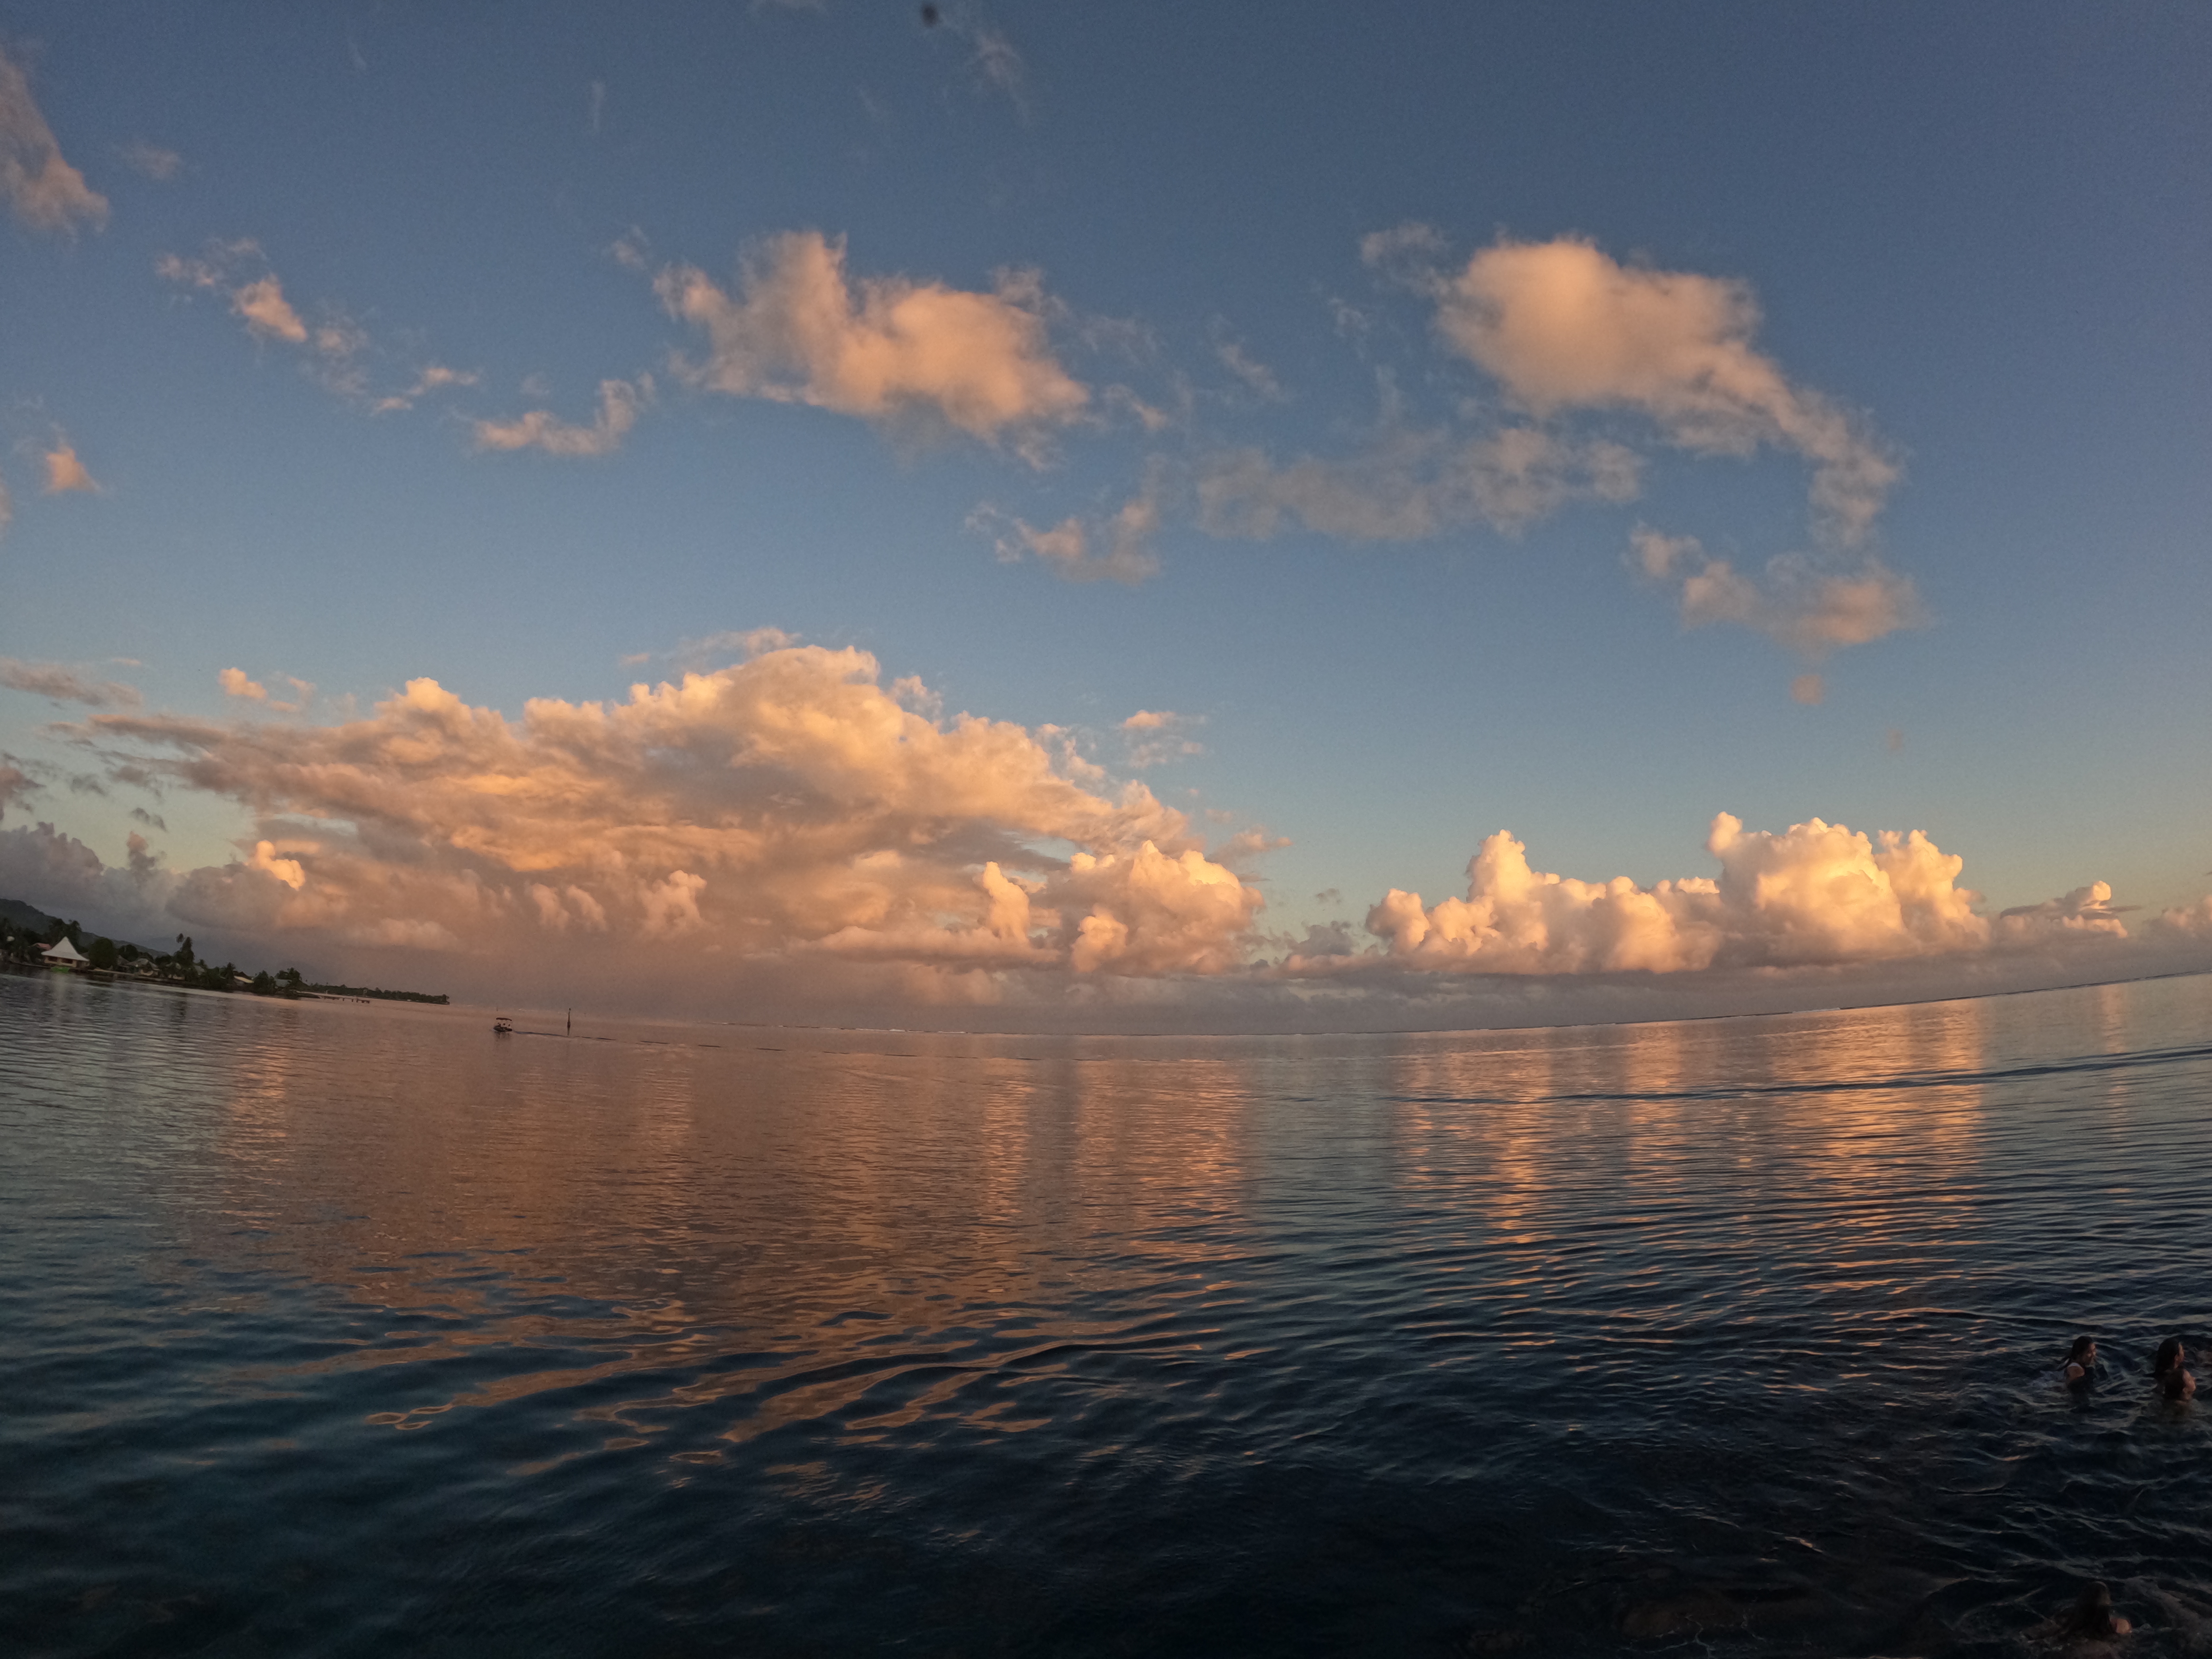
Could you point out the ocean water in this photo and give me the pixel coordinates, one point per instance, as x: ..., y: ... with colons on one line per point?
x: 339, y: 1330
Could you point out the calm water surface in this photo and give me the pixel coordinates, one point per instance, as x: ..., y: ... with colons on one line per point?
x: 347, y: 1331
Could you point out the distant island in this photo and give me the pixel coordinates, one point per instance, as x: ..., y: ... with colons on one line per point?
x: 27, y: 932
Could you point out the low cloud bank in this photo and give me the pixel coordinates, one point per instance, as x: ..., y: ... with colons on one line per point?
x: 1818, y: 895
x: 789, y: 807
x: 790, y: 838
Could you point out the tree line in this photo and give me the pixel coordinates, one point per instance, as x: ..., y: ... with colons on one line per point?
x: 180, y: 965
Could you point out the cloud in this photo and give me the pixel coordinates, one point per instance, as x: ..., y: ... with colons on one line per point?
x: 65, y: 473
x: 336, y: 351
x: 43, y: 191
x: 61, y: 684
x: 1565, y: 330
x: 620, y: 401
x: 1157, y: 736
x: 267, y: 313
x: 2085, y: 910
x: 1808, y: 689
x: 1256, y: 377
x: 16, y: 785
x: 1118, y: 550
x: 740, y: 642
x: 786, y: 808
x: 1405, y: 252
x: 884, y: 348
x: 234, y: 683
x: 1810, y: 607
x: 2187, y: 921
x: 150, y: 160
x: 435, y: 377
x: 1818, y: 894
x: 1562, y: 325
x: 996, y: 65
x: 1413, y: 485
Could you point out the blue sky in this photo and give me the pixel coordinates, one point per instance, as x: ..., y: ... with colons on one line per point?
x: 1975, y: 237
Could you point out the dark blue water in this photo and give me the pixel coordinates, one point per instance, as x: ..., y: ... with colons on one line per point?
x: 346, y: 1331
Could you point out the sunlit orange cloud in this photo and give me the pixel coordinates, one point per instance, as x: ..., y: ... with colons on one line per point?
x: 620, y: 401
x: 800, y: 331
x: 790, y: 831
x: 1818, y: 894
x: 1563, y: 325
x: 789, y: 804
x: 1118, y: 550
x: 65, y: 473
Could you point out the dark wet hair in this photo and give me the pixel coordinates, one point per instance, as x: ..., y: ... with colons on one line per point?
x: 2093, y: 1611
x: 2081, y: 1346
x: 2168, y: 1358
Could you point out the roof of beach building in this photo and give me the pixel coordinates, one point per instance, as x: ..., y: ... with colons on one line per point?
x: 62, y: 951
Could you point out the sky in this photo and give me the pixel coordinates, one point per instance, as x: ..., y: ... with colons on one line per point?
x: 1394, y: 515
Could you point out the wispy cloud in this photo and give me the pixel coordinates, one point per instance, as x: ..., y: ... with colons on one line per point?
x: 432, y: 377
x: 994, y: 64
x: 1802, y: 602
x: 885, y: 349
x: 620, y: 402
x: 61, y: 684
x: 1410, y: 485
x: 334, y: 349
x: 1119, y: 549
x: 1254, y: 376
x: 150, y: 160
x: 235, y: 684
x: 1155, y: 737
x: 42, y: 189
x: 16, y: 785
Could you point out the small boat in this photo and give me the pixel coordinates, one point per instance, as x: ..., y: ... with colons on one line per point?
x: 502, y: 1026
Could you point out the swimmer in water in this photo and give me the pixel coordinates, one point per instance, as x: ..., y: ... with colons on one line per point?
x: 2170, y: 1370
x: 2092, y: 1615
x: 2081, y: 1362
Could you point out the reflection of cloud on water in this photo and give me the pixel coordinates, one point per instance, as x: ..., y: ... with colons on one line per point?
x: 873, y: 1238
x: 1568, y: 1168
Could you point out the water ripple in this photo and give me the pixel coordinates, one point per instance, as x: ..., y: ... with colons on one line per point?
x: 354, y: 1331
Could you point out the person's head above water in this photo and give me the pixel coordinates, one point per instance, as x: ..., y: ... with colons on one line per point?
x: 2083, y: 1350
x: 2170, y: 1354
x: 2092, y: 1613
